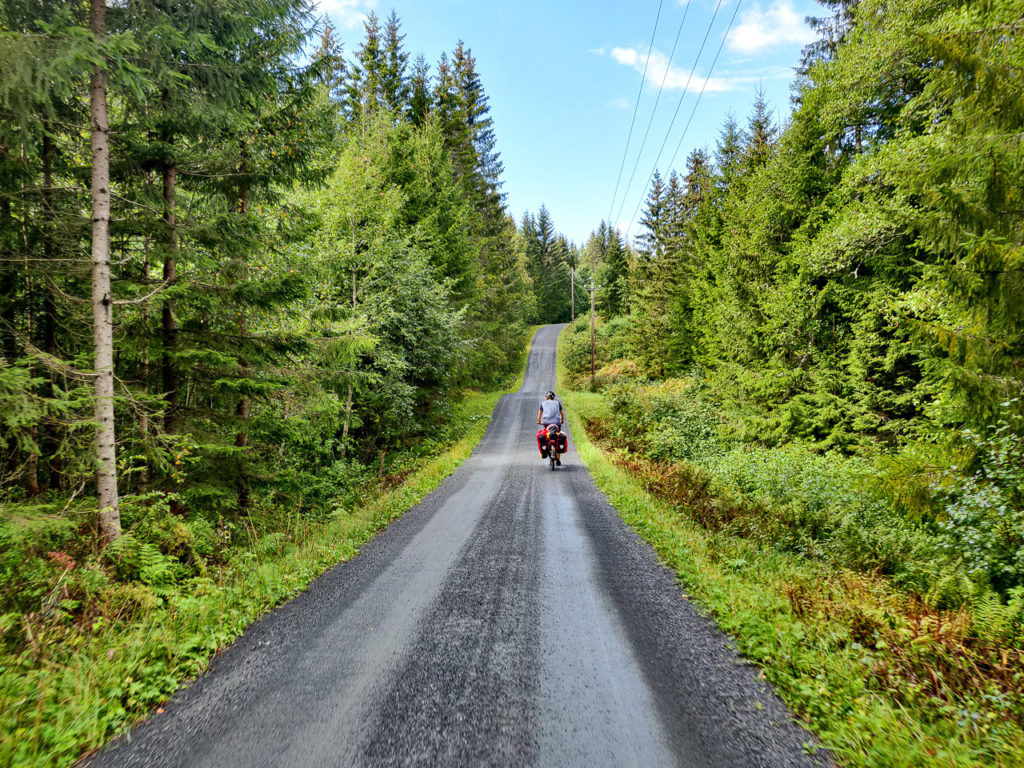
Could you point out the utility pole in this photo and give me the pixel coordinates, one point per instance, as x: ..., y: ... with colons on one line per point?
x: 593, y: 289
x: 572, y: 294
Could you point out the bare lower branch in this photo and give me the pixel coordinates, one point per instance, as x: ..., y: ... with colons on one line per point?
x: 47, y: 360
x: 151, y: 294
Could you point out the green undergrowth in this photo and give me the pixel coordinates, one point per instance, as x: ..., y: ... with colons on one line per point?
x: 70, y: 684
x: 866, y: 666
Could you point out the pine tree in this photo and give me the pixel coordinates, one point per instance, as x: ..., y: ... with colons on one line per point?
x: 394, y: 82
x: 760, y: 135
x: 729, y: 150
x: 329, y: 63
x: 654, y: 220
x: 365, y: 89
x: 420, y: 103
x: 486, y: 163
x: 616, y: 277
x: 831, y: 31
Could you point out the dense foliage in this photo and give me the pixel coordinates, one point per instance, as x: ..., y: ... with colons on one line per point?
x: 851, y: 282
x: 309, y: 255
x: 818, y: 357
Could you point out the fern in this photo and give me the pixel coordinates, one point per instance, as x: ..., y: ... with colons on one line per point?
x: 155, y: 569
x: 995, y: 620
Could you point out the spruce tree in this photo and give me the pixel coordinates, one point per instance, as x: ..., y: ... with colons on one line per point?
x: 394, y: 81
x: 329, y: 63
x: 366, y: 93
x: 653, y: 221
x: 420, y: 101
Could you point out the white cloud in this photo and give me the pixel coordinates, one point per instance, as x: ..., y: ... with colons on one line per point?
x: 660, y: 69
x: 619, y: 103
x: 596, y: 51
x: 778, y: 25
x: 347, y: 14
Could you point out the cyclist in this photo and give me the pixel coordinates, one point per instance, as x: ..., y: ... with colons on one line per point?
x: 550, y: 412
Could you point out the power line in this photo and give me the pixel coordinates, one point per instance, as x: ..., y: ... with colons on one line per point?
x: 639, y: 93
x: 675, y: 114
x: 715, y: 61
x: 654, y: 111
x: 693, y: 112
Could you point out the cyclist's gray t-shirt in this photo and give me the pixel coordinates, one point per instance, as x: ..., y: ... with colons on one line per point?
x: 549, y: 411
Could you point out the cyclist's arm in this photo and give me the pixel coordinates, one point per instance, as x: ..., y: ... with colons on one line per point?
x: 540, y: 412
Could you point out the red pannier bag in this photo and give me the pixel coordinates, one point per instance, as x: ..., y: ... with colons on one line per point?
x: 542, y: 442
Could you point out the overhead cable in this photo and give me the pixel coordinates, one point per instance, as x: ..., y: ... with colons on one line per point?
x: 693, y: 112
x: 639, y: 93
x: 675, y: 114
x: 715, y: 61
x: 657, y: 100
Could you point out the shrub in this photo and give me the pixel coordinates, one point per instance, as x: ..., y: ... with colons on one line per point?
x: 27, y: 572
x: 191, y: 539
x: 671, y: 421
x: 791, y: 497
x: 610, y: 344
x: 984, y: 520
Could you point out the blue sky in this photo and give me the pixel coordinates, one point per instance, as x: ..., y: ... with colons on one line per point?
x: 563, y: 78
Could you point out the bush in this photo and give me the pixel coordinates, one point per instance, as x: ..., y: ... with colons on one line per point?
x: 27, y: 571
x: 794, y: 473
x: 610, y: 344
x: 791, y: 497
x: 984, y: 520
x: 134, y: 560
x: 671, y: 421
x: 191, y: 539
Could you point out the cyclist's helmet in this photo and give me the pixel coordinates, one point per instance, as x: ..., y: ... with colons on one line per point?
x: 550, y: 395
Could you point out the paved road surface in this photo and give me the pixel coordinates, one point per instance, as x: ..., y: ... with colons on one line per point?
x: 509, y: 619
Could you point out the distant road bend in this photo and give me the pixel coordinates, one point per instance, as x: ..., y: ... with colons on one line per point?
x: 510, y: 619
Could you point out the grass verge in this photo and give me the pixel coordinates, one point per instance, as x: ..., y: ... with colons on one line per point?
x: 808, y: 628
x: 69, y: 693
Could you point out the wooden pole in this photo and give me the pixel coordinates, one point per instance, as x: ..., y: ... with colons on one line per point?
x: 592, y: 290
x: 572, y: 295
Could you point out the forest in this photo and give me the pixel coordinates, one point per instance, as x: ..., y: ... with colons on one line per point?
x: 246, y: 281
x: 817, y: 345
x: 250, y: 283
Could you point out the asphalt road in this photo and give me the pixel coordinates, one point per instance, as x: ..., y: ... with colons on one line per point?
x: 509, y: 619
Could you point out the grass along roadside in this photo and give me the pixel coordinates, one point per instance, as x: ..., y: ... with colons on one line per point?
x: 71, y: 692
x: 810, y: 628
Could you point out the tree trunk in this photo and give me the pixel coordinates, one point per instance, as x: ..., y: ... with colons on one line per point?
x: 242, y: 408
x: 348, y: 416
x: 32, y: 470
x: 51, y: 436
x: 169, y: 326
x: 142, y: 476
x: 102, y: 302
x: 8, y: 282
x: 51, y: 429
x: 32, y: 465
x: 49, y: 215
x: 348, y: 400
